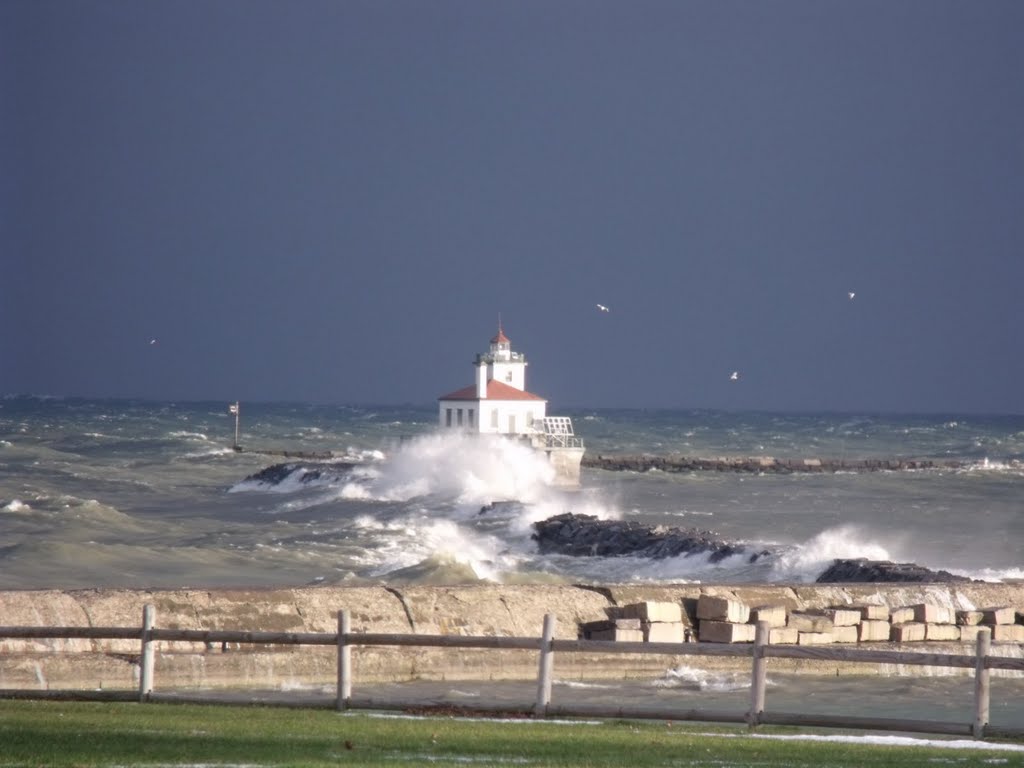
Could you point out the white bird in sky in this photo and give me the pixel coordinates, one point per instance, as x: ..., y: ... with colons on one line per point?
x: 851, y: 294
x: 603, y: 308
x: 152, y: 342
x: 734, y: 376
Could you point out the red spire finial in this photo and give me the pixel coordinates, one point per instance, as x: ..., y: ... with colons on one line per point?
x: 501, y: 338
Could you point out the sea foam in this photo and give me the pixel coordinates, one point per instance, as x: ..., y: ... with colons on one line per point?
x: 804, y: 562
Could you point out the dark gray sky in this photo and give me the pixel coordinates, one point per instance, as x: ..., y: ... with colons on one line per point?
x: 333, y: 201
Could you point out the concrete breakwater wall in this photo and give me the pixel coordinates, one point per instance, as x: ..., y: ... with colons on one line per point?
x: 757, y: 464
x: 477, y: 610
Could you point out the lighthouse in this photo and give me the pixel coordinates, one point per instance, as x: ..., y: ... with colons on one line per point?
x: 498, y: 403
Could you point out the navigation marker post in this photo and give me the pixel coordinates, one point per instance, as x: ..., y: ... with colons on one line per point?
x: 233, y: 409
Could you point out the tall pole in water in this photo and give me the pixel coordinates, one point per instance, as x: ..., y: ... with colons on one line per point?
x: 233, y: 408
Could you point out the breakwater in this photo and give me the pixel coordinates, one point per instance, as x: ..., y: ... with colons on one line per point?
x: 757, y: 464
x: 476, y: 610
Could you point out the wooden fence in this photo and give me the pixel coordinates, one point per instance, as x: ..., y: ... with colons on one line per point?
x: 547, y: 646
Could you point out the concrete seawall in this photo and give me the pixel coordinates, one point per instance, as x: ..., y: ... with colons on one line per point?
x: 487, y: 610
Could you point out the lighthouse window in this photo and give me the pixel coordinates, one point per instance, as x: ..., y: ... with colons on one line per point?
x: 447, y: 417
x: 458, y: 416
x: 470, y: 414
x: 508, y: 376
x: 494, y: 419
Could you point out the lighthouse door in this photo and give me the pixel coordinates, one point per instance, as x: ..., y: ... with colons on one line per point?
x: 511, y: 423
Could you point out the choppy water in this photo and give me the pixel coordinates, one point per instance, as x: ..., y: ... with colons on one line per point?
x: 127, y: 493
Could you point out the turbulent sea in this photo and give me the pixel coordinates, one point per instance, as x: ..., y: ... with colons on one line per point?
x: 121, y: 493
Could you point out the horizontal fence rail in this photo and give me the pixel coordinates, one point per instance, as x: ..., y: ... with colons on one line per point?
x: 547, y: 647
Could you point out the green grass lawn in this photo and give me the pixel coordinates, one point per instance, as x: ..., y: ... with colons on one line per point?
x: 35, y: 733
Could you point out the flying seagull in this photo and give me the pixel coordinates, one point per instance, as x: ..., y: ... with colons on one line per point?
x: 734, y: 376
x: 152, y: 342
x: 851, y: 294
x: 603, y: 308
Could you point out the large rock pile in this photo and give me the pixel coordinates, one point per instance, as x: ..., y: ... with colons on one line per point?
x: 572, y: 534
x: 861, y: 570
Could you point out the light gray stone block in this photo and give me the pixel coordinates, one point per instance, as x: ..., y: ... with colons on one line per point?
x: 908, y: 632
x: 810, y: 622
x: 843, y: 617
x: 932, y: 614
x: 1008, y: 633
x: 999, y: 616
x: 814, y: 638
x: 942, y: 632
x: 872, y: 612
x: 783, y: 636
x: 903, y: 615
x: 969, y: 632
x: 663, y: 632
x: 846, y: 633
x: 722, y: 609
x: 775, y: 615
x: 652, y: 611
x: 726, y: 632
x: 871, y: 631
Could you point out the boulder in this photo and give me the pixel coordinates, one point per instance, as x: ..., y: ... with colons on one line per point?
x: 861, y: 569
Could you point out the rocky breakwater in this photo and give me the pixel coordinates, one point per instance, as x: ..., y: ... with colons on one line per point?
x: 756, y: 464
x: 586, y: 535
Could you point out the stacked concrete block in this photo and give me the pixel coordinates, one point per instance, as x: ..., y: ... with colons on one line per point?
x: 725, y: 620
x: 1008, y: 633
x: 775, y: 615
x: 721, y: 620
x: 622, y: 630
x: 939, y: 632
x: 722, y: 609
x: 994, y: 616
x: 1004, y: 623
x: 924, y: 621
x: 873, y: 630
x: 872, y: 612
x: 843, y: 617
x: 813, y: 628
x: 783, y: 636
x: 926, y: 613
x: 656, y: 622
x: 663, y: 632
x: 907, y: 632
x: 652, y: 612
x: 969, y: 632
x: 814, y: 638
x: 726, y: 632
x: 845, y: 633
x: 810, y: 622
x: 901, y: 616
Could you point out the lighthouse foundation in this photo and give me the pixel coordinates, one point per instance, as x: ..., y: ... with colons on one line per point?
x: 566, y: 463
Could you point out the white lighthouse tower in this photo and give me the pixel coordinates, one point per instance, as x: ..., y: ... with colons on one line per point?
x: 497, y: 403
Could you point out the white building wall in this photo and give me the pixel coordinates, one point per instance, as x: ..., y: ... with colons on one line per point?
x: 496, y: 417
x: 511, y: 373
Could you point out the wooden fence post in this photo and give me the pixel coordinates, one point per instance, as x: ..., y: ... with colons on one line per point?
x: 146, y: 659
x: 344, y: 661
x: 758, y: 674
x: 547, y: 660
x: 981, y: 692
